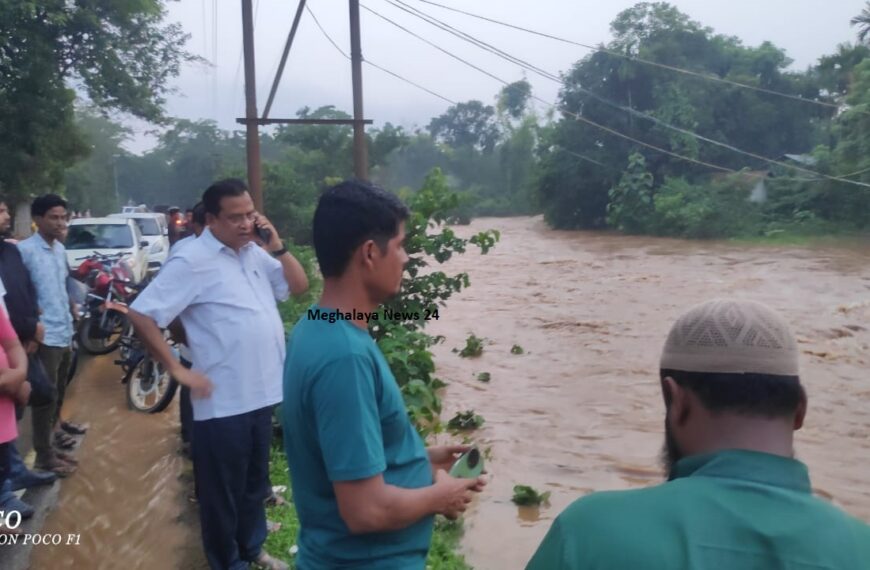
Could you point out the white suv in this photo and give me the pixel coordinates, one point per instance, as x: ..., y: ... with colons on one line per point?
x: 107, y: 235
x: 154, y: 231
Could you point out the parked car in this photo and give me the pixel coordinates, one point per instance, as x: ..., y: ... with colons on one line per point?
x: 155, y: 231
x: 107, y: 236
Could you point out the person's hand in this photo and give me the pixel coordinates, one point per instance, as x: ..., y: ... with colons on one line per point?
x: 12, y: 377
x: 442, y: 457
x: 454, y: 494
x: 199, y: 384
x: 263, y: 223
x: 23, y: 394
x: 31, y: 346
x: 39, y: 335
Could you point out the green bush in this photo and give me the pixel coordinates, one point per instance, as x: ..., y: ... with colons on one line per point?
x: 403, y: 343
x: 631, y: 207
x: 718, y: 209
x: 294, y: 308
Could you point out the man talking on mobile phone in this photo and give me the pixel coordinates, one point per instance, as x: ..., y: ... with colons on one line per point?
x: 224, y: 288
x: 365, y: 487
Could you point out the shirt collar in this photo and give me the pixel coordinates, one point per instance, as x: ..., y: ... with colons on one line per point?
x: 745, y: 465
x: 216, y: 245
x: 42, y: 243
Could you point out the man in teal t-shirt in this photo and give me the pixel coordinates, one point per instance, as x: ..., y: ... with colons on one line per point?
x: 735, y: 498
x: 365, y: 486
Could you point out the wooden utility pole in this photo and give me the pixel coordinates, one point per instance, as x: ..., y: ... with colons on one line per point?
x: 360, y: 152
x: 287, y: 47
x: 253, y: 129
x: 252, y: 122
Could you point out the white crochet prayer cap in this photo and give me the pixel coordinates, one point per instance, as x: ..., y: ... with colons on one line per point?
x: 730, y: 336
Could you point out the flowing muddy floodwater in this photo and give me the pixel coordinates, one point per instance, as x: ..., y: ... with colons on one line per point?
x: 127, y: 500
x: 581, y: 410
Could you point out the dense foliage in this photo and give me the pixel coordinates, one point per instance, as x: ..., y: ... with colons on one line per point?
x: 590, y: 178
x: 121, y: 54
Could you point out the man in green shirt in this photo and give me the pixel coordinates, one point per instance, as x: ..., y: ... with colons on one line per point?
x: 365, y: 487
x: 735, y: 497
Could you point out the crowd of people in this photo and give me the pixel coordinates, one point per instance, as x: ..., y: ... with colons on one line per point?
x: 39, y: 311
x: 365, y: 485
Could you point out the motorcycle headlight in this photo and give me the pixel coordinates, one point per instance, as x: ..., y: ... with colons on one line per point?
x: 156, y: 247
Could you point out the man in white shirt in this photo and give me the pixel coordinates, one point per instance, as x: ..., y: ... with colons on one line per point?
x: 197, y: 225
x: 224, y: 289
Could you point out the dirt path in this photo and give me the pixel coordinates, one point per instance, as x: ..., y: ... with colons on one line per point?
x: 128, y: 499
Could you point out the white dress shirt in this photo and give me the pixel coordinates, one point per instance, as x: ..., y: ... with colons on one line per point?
x: 227, y: 304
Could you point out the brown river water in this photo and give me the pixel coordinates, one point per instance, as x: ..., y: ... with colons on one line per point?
x: 579, y: 412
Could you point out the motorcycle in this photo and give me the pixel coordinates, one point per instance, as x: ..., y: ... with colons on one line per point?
x: 105, y: 326
x: 150, y: 387
x: 109, y: 280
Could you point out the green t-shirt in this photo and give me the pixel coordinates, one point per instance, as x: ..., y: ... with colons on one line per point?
x: 344, y: 420
x: 732, y: 510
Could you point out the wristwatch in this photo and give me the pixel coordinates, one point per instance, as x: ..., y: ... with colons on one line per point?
x: 279, y: 253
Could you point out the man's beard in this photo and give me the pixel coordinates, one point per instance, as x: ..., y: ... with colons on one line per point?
x: 671, y: 452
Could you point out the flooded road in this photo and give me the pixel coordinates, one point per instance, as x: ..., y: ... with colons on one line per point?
x: 581, y: 410
x: 126, y: 501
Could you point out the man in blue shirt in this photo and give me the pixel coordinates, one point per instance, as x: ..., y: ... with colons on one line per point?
x: 362, y: 478
x: 45, y: 258
x: 224, y: 288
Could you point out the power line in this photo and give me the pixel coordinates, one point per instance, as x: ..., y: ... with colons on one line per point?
x: 373, y: 64
x: 554, y: 105
x: 547, y: 75
x: 638, y: 59
x: 581, y: 157
x: 513, y: 59
x: 214, y: 54
x: 324, y: 32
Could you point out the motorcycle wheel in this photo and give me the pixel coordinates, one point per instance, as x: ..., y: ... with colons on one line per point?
x: 93, y: 344
x: 150, y: 388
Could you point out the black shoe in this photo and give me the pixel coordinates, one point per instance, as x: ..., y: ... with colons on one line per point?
x: 73, y: 428
x: 32, y: 479
x: 13, y: 503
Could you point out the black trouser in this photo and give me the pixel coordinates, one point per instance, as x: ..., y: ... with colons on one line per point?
x: 231, y: 471
x: 56, y: 361
x: 185, y: 408
x: 5, y: 465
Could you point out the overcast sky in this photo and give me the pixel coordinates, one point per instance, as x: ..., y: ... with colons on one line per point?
x: 316, y: 74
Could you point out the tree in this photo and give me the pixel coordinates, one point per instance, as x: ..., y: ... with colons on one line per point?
x: 91, y: 183
x: 188, y: 158
x: 862, y: 20
x: 631, y: 201
x: 514, y: 98
x: 665, y: 109
x: 120, y: 53
x: 467, y: 125
x: 321, y: 153
x: 836, y: 71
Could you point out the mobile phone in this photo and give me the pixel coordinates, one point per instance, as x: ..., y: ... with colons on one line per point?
x: 469, y: 465
x: 264, y: 234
